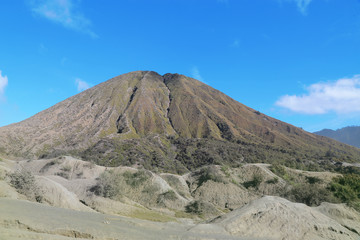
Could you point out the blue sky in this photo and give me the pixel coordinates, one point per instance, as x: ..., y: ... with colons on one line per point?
x: 295, y: 60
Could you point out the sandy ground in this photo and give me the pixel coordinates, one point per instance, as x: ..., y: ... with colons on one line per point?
x: 64, y: 216
x: 265, y: 218
x: 21, y: 219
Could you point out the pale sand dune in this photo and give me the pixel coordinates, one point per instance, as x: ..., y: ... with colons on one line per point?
x: 57, y: 195
x: 282, y: 219
x: 264, y: 218
x: 26, y: 220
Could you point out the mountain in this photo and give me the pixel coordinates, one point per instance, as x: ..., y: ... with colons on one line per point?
x: 172, y: 123
x: 348, y: 135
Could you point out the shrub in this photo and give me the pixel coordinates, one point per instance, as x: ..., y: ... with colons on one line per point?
x: 348, y: 170
x: 108, y: 184
x: 48, y: 165
x: 313, y: 180
x: 137, y: 178
x: 309, y: 194
x: 66, y: 168
x: 278, y: 169
x: 273, y: 180
x: 25, y: 183
x: 169, y: 195
x: 63, y: 175
x: 351, y: 180
x: 150, y: 189
x: 343, y: 192
x: 207, y: 174
x: 201, y: 208
x: 347, y: 188
x: 255, y: 182
x: 194, y: 207
x: 234, y: 181
x: 225, y: 169
x: 172, y: 181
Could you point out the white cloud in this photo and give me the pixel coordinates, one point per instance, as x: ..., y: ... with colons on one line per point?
x: 63, y: 12
x: 195, y: 73
x: 341, y: 96
x: 81, y: 85
x: 302, y: 5
x: 3, y: 83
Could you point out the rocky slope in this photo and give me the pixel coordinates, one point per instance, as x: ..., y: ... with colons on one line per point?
x: 171, y: 122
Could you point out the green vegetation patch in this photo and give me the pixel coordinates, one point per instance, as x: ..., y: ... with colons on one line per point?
x: 181, y: 214
x: 108, y: 184
x: 66, y: 168
x: 44, y: 151
x: 137, y: 178
x: 226, y: 170
x: 310, y: 194
x: 312, y: 190
x: 63, y: 174
x: 113, y: 184
x: 257, y: 179
x: 347, y: 189
x: 207, y: 174
x: 273, y: 180
x: 309, y: 190
x: 48, y: 165
x: 151, y: 216
x: 201, y: 208
x: 313, y: 180
x: 25, y: 183
x: 280, y: 170
x: 167, y: 196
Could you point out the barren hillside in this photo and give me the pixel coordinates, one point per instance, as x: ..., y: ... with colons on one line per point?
x: 171, y: 122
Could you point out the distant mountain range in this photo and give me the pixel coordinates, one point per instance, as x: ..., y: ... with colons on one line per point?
x: 349, y: 135
x: 168, y: 122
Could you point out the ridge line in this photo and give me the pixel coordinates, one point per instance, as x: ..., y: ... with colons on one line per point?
x: 120, y: 129
x: 168, y: 108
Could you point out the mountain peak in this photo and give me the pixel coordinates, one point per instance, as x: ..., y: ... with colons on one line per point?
x: 172, y: 122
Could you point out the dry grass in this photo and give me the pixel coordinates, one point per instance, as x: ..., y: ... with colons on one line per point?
x: 151, y: 216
